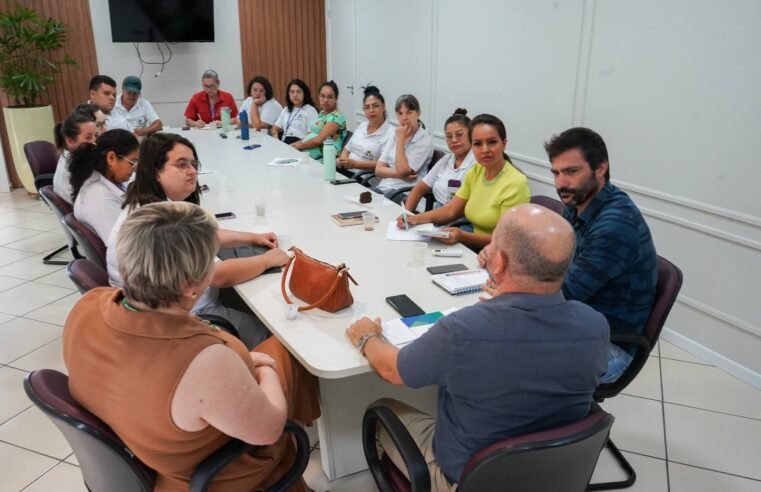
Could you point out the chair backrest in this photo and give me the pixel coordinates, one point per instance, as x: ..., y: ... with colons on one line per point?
x: 41, y: 156
x: 437, y: 155
x: 86, y: 275
x: 106, y: 463
x: 349, y: 134
x: 92, y: 246
x: 60, y: 208
x: 551, y: 203
x: 666, y: 291
x: 562, y: 458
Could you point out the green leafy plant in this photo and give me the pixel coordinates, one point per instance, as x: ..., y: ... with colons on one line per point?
x: 28, y: 58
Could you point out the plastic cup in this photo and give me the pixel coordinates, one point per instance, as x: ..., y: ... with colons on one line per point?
x: 368, y: 220
x: 284, y: 241
x: 261, y: 207
x: 418, y: 253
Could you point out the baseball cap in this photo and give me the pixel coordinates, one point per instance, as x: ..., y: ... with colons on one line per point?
x: 132, y: 84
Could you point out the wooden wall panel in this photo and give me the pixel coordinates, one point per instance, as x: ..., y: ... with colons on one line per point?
x: 282, y: 40
x: 70, y: 86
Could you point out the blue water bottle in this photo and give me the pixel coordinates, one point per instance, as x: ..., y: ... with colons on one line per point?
x: 329, y: 159
x: 243, y: 117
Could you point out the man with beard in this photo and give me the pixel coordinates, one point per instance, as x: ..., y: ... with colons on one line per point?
x: 614, y: 267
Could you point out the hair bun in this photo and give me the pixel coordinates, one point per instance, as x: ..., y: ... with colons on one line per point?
x: 461, y: 111
x: 371, y: 90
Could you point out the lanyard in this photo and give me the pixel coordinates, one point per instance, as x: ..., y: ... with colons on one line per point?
x: 290, y: 117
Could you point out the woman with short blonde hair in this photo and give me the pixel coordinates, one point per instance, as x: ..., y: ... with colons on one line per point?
x: 173, y: 387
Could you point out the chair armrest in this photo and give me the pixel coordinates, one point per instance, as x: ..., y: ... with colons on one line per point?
x: 221, y: 323
x: 219, y: 459
x: 429, y: 201
x: 417, y: 468
x: 397, y: 194
x: 459, y: 222
x: 625, y: 340
x: 43, y: 180
x: 364, y: 177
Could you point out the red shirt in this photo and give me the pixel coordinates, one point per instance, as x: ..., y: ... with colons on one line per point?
x: 199, y: 105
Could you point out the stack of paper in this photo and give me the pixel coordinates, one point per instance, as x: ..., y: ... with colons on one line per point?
x: 422, y: 232
x: 402, y: 331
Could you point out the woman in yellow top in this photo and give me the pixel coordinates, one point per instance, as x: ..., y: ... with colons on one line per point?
x: 490, y: 187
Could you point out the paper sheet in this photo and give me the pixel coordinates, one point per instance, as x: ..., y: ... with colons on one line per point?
x: 393, y: 233
x: 402, y: 331
x: 285, y: 162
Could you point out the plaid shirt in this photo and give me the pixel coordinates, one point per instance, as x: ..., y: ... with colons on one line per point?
x: 614, y: 268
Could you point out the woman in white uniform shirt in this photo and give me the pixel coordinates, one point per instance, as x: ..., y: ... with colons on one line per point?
x: 72, y: 132
x: 298, y: 114
x: 99, y: 173
x: 369, y: 139
x: 260, y: 105
x: 445, y: 178
x: 406, y: 156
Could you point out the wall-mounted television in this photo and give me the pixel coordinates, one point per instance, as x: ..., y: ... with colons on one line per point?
x: 174, y: 21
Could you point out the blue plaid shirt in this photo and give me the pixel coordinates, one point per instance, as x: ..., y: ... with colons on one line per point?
x: 614, y: 268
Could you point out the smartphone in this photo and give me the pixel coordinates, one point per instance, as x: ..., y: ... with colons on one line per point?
x: 224, y: 215
x: 350, y: 215
x: 185, y: 128
x: 342, y: 181
x: 404, y: 306
x: 252, y: 147
x: 435, y: 270
x: 223, y: 135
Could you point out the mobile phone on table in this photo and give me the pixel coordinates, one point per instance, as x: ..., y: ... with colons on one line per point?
x: 404, y: 306
x: 252, y: 147
x: 350, y: 215
x: 224, y: 215
x: 342, y: 181
x: 436, y: 270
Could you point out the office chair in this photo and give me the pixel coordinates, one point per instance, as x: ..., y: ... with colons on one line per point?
x: 666, y: 291
x: 561, y: 458
x: 399, y: 195
x: 86, y: 275
x: 551, y: 203
x: 42, y: 158
x: 60, y: 208
x: 92, y: 246
x: 106, y: 462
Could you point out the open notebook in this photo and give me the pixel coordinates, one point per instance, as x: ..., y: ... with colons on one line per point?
x: 462, y: 282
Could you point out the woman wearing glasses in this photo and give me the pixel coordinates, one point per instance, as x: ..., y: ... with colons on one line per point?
x: 366, y: 144
x: 167, y: 169
x: 297, y: 115
x: 206, y: 106
x: 99, y: 172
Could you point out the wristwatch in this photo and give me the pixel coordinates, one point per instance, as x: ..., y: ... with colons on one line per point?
x: 363, y: 341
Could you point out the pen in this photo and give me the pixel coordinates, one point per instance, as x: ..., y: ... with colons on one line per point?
x: 404, y: 218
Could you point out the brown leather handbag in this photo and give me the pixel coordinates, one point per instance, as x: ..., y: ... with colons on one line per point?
x: 322, y: 285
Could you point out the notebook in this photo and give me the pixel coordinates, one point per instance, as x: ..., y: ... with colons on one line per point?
x: 463, y: 282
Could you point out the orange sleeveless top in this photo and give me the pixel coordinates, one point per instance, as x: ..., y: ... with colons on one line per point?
x: 124, y: 367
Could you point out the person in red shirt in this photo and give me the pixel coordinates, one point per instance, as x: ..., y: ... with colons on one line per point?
x: 206, y: 106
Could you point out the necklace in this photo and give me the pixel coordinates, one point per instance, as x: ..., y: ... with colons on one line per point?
x: 129, y: 307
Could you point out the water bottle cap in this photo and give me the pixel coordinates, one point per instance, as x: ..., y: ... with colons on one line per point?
x: 329, y: 140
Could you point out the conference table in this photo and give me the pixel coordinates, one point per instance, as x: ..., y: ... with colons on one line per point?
x: 299, y: 203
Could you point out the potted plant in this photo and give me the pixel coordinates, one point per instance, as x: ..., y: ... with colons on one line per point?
x: 29, y: 61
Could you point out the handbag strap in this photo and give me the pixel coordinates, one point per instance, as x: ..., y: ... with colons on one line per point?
x: 324, y: 298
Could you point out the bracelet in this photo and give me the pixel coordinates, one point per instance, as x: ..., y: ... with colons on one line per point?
x: 363, y: 341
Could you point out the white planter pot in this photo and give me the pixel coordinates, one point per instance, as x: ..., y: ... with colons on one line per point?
x: 27, y: 125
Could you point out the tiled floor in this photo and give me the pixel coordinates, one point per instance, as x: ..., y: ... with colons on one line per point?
x: 683, y: 424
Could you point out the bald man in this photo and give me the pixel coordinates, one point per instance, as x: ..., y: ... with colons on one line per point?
x: 523, y: 361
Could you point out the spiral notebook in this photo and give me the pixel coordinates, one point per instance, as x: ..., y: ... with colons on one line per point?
x: 463, y: 282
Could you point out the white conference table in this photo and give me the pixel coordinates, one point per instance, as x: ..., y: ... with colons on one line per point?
x: 299, y: 203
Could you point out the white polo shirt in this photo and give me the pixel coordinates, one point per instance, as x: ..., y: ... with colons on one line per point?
x: 268, y: 112
x: 296, y: 123
x: 443, y: 171
x: 418, y: 151
x: 142, y: 114
x: 365, y: 146
x: 98, y: 205
x: 62, y: 177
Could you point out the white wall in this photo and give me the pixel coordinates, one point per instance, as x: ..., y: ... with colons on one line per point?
x: 671, y: 86
x: 170, y: 92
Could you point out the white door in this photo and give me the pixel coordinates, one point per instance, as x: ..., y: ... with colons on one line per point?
x: 341, y: 55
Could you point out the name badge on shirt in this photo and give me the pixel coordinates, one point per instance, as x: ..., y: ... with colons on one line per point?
x: 452, y: 186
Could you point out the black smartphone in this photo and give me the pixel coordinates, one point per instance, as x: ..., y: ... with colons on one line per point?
x: 223, y: 135
x: 404, y: 306
x: 342, y: 181
x: 224, y: 215
x: 351, y: 215
x: 185, y: 128
x: 435, y: 270
x: 252, y: 147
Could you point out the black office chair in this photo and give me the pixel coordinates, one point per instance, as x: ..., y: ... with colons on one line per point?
x: 399, y: 195
x: 105, y: 461
x: 551, y: 203
x: 86, y: 275
x: 42, y: 158
x: 666, y: 291
x: 561, y: 458
x: 60, y: 208
x: 92, y: 246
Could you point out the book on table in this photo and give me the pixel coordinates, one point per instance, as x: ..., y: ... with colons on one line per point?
x: 349, y: 218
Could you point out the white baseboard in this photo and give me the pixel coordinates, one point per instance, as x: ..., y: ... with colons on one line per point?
x: 739, y: 371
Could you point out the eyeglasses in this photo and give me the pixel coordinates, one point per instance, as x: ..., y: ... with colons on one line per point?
x: 132, y: 163
x: 455, y: 136
x: 211, y: 87
x: 185, y: 165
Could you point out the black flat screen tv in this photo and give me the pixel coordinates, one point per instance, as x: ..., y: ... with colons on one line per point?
x: 174, y: 21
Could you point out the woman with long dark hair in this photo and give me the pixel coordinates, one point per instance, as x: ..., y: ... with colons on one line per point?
x: 297, y: 115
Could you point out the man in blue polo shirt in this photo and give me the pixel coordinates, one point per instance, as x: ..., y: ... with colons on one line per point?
x: 523, y: 361
x: 614, y: 267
